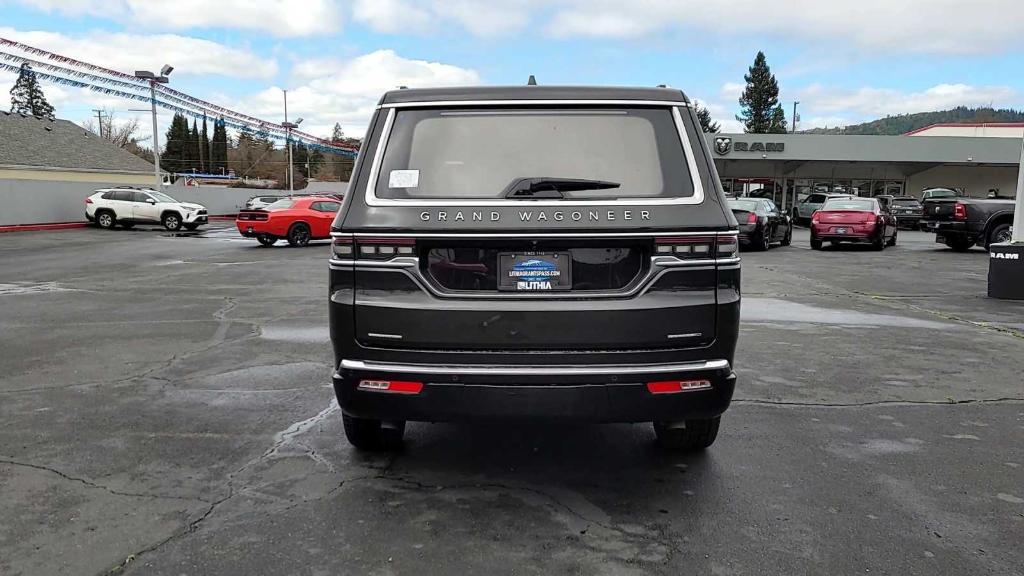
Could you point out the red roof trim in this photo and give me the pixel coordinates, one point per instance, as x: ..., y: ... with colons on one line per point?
x: 969, y: 125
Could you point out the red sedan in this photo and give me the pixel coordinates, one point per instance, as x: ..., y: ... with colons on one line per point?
x: 861, y: 220
x: 297, y: 219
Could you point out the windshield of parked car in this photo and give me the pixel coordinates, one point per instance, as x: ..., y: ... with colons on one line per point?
x: 848, y: 204
x: 280, y: 205
x: 160, y: 196
x: 748, y: 205
x: 476, y: 153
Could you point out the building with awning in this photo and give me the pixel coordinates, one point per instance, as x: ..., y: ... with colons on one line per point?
x: 788, y: 167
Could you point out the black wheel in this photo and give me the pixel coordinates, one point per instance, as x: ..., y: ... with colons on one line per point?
x: 815, y: 243
x: 766, y: 239
x: 373, y: 434
x: 878, y: 243
x: 171, y: 221
x: 266, y: 239
x: 692, y: 436
x: 298, y: 235
x: 893, y: 241
x: 105, y: 219
x: 788, y: 238
x: 191, y: 227
x: 959, y: 244
x: 999, y: 234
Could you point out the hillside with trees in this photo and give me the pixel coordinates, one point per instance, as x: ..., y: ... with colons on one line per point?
x: 903, y: 123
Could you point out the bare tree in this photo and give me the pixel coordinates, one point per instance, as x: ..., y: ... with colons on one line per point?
x: 121, y: 134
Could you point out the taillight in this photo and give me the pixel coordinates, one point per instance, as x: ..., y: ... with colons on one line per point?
x: 960, y: 211
x: 727, y: 246
x: 88, y: 200
x: 752, y: 218
x: 814, y: 218
x: 392, y: 386
x: 684, y: 246
x: 677, y: 386
x: 871, y: 219
x: 374, y: 248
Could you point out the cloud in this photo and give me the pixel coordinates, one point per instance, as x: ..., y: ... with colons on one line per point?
x: 875, y: 26
x: 277, y: 17
x: 483, y: 19
x: 833, y: 104
x: 347, y: 91
x: 130, y: 52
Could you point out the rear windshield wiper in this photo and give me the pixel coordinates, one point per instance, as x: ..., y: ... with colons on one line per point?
x: 544, y: 187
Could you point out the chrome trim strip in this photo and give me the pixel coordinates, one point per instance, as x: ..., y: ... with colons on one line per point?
x: 440, y: 103
x: 456, y: 235
x: 504, y: 370
x: 379, y: 335
x: 402, y: 262
x: 371, y: 198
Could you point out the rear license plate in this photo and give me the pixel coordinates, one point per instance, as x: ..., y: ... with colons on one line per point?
x: 840, y: 230
x: 534, y: 271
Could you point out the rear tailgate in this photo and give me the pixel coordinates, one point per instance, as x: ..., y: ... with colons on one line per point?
x: 620, y: 294
x: 939, y: 209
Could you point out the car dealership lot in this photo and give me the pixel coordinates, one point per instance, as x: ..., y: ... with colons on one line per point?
x: 165, y: 407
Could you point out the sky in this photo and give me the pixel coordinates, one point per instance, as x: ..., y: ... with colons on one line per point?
x: 845, y: 61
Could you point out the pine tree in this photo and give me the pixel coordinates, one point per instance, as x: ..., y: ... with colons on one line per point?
x: 707, y: 125
x: 176, y: 156
x: 27, y: 96
x: 219, y: 148
x: 337, y: 135
x: 204, y: 149
x: 760, y: 109
x: 195, y: 149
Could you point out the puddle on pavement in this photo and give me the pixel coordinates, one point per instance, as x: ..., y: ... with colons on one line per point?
x: 776, y: 310
x: 303, y: 334
x: 30, y: 288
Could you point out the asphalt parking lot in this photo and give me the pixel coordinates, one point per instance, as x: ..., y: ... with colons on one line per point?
x: 165, y: 408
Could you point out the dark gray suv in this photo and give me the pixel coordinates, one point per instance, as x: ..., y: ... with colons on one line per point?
x: 534, y: 252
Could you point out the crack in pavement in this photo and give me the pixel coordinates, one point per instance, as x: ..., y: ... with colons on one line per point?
x: 944, y: 315
x: 91, y: 484
x: 948, y: 402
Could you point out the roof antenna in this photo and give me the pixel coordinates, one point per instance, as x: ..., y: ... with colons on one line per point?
x: 532, y: 81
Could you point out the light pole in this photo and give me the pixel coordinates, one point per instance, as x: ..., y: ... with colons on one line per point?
x: 795, y: 102
x: 153, y: 81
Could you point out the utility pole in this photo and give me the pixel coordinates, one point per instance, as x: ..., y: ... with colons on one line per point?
x: 99, y: 120
x: 795, y: 102
x: 153, y: 81
x: 288, y: 136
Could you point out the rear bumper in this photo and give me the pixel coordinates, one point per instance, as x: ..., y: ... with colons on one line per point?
x: 593, y: 393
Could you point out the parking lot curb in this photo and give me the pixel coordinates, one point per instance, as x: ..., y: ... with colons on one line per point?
x: 37, y: 227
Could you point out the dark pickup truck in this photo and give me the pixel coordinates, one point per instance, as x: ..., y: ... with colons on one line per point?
x: 963, y: 222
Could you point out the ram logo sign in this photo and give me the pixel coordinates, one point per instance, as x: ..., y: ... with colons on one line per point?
x: 1004, y: 255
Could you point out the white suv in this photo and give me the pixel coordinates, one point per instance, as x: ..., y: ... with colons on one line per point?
x: 131, y: 206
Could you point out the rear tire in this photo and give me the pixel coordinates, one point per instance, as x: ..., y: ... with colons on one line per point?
x: 788, y: 238
x: 765, y: 241
x: 298, y: 235
x: 171, y: 221
x: 815, y: 243
x: 373, y: 435
x: 105, y: 219
x: 959, y: 244
x: 879, y: 244
x: 266, y: 240
x: 1000, y: 233
x: 696, y: 435
x: 892, y: 242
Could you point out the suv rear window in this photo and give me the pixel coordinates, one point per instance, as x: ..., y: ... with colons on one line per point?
x: 848, y: 204
x: 477, y: 153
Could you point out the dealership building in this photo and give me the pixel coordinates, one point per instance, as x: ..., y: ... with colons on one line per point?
x: 979, y: 159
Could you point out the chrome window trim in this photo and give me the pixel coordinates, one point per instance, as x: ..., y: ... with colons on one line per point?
x: 371, y: 198
x: 532, y: 370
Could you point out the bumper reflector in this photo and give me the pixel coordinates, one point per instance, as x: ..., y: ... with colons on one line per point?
x: 676, y: 386
x: 392, y: 386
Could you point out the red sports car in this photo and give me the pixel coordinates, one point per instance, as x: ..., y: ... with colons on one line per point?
x: 861, y: 220
x: 297, y: 219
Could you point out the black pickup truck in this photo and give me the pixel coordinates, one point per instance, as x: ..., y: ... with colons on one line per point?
x: 963, y: 222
